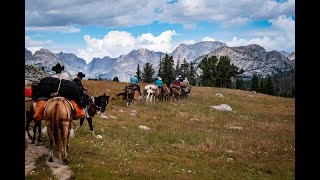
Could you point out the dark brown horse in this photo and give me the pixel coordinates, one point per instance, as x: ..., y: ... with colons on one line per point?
x: 129, y: 94
x: 96, y: 104
x: 29, y: 118
x: 58, y: 115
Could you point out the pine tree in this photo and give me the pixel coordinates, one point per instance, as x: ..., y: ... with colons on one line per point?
x: 261, y: 86
x: 138, y: 73
x: 167, y: 72
x: 208, y: 67
x: 225, y: 71
x: 193, y: 74
x: 184, y: 69
x: 239, y: 83
x: 269, y: 86
x: 147, y: 74
x: 254, y: 82
x: 178, y: 71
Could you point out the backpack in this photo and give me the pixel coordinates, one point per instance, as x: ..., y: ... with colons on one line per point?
x: 28, y: 92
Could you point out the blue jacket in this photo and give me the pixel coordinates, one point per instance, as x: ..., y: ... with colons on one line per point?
x: 134, y: 80
x: 159, y: 83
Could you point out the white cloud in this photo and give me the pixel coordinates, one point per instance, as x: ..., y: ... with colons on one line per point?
x: 208, y: 39
x: 280, y: 36
x: 134, y: 12
x: 117, y: 43
x: 227, y: 12
x: 63, y: 29
x: 34, y: 45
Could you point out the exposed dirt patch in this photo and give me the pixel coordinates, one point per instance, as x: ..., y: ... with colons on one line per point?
x: 33, y: 152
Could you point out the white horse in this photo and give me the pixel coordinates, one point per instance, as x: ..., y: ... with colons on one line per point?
x: 150, y: 90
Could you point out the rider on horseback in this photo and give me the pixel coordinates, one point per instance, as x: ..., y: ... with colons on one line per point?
x: 159, y: 85
x: 134, y: 80
x: 86, y: 97
x: 177, y: 85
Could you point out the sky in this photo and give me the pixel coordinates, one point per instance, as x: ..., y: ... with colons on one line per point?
x: 99, y: 28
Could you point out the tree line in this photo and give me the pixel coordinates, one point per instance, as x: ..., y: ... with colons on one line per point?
x: 217, y: 72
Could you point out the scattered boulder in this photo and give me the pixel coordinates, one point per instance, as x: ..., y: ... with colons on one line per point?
x: 222, y: 107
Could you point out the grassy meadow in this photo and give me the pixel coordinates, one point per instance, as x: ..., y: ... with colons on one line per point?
x: 187, y: 139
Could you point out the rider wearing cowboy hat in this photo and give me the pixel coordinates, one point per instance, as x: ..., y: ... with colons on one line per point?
x: 59, y: 74
x: 86, y: 96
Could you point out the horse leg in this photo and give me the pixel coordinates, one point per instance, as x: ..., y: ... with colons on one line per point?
x: 90, y: 125
x: 80, y: 125
x: 64, y: 133
x: 34, y: 132
x: 67, y: 146
x: 38, y: 125
x: 28, y: 122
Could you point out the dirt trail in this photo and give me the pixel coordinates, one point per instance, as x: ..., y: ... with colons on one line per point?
x: 33, y: 152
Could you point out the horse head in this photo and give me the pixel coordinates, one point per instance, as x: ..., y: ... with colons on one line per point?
x: 102, y: 102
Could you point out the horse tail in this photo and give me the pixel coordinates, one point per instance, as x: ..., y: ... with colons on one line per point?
x: 55, y: 124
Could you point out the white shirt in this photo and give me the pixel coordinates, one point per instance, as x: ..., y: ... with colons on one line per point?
x: 62, y: 75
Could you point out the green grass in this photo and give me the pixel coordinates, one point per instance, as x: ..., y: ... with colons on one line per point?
x: 179, y: 148
x: 41, y: 171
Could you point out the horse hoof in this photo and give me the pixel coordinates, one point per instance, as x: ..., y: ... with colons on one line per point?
x: 50, y: 159
x: 65, y: 161
x: 32, y: 142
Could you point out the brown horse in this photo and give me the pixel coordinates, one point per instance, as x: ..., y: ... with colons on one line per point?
x: 185, y: 91
x: 175, y: 93
x: 58, y: 116
x: 130, y: 94
x: 164, y: 93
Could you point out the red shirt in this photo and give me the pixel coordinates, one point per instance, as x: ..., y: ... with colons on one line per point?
x: 177, y: 83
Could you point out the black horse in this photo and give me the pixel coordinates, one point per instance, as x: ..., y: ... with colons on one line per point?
x: 97, y: 104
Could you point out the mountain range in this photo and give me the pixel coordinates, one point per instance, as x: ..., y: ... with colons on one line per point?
x: 252, y: 58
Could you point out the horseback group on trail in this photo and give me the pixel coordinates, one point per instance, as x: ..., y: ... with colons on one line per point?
x: 159, y: 90
x: 59, y: 100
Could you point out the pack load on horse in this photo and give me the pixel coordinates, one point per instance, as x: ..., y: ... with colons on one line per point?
x: 49, y: 87
x: 149, y: 92
x: 185, y: 85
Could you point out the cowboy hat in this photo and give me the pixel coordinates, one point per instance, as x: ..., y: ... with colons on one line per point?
x: 80, y: 74
x: 57, y: 67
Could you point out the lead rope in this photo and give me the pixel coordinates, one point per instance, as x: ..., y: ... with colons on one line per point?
x: 56, y: 93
